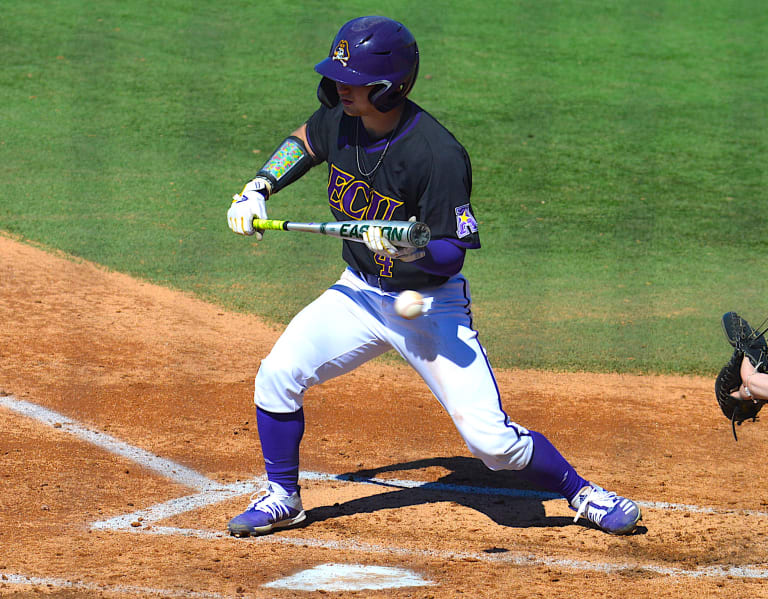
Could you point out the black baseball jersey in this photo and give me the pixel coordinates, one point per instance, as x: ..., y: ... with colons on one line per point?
x: 420, y: 170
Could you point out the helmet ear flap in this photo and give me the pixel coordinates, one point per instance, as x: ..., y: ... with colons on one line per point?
x: 376, y: 92
x: 385, y: 98
x: 326, y: 93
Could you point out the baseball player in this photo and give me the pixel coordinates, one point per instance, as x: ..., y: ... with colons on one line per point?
x: 389, y: 159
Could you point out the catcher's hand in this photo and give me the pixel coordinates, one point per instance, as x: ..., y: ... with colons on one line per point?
x: 746, y: 341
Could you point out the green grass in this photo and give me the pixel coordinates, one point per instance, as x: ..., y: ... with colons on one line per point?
x: 619, y: 152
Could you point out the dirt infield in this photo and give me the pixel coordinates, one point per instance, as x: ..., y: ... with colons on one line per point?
x: 129, y: 440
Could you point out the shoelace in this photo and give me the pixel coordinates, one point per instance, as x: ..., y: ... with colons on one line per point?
x: 605, y: 496
x: 267, y: 502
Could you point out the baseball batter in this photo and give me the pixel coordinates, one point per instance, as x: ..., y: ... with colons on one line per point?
x: 389, y: 159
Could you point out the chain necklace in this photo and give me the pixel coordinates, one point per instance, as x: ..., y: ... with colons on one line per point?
x: 357, y: 152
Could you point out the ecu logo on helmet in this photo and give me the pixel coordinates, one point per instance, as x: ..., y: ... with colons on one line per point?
x: 341, y: 53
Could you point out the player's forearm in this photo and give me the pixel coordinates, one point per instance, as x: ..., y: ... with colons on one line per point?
x: 441, y: 258
x: 289, y: 162
x: 756, y: 386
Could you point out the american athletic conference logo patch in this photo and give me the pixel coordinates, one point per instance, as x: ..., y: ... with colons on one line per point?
x: 465, y: 222
x: 341, y: 53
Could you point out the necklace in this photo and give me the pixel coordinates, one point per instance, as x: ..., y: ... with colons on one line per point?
x: 357, y: 152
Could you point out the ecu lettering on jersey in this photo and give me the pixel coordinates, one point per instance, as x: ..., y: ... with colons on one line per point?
x: 465, y: 222
x: 400, y: 189
x: 356, y: 199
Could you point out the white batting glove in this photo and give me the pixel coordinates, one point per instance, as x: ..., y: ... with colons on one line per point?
x: 249, y: 204
x: 376, y: 242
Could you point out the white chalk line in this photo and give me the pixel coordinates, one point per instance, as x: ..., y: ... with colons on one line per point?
x: 510, y: 558
x: 171, y: 470
x: 519, y: 493
x: 210, y: 492
x: 218, y: 493
x: 188, y: 477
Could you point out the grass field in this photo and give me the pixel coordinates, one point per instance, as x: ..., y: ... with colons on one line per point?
x: 619, y: 153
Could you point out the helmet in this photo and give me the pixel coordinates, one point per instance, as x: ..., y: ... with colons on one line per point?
x: 372, y: 51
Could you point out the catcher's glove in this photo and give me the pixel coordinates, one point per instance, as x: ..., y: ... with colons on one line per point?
x: 745, y: 340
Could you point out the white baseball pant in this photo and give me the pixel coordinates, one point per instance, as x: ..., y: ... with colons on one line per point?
x: 353, y: 322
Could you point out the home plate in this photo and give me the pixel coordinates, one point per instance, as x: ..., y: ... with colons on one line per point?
x: 349, y: 577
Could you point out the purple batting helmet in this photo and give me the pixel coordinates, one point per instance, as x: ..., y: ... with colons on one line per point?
x: 373, y: 51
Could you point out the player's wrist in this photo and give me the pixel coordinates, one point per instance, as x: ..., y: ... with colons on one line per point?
x: 263, y: 186
x: 748, y: 394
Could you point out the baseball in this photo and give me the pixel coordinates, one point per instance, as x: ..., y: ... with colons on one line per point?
x: 409, y: 304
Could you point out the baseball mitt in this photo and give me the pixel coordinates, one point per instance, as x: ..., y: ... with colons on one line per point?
x: 745, y: 340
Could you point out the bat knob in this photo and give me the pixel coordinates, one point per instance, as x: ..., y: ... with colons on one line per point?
x: 419, y: 235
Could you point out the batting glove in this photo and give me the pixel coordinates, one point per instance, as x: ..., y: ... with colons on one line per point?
x: 250, y: 204
x: 376, y: 242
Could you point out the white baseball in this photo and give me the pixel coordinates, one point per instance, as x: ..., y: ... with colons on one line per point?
x: 409, y: 304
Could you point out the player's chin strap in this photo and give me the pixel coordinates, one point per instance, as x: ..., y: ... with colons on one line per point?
x: 288, y: 162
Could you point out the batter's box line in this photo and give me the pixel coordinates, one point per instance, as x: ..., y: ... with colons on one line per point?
x: 219, y: 493
x: 142, y: 521
x: 214, y: 492
x: 509, y: 558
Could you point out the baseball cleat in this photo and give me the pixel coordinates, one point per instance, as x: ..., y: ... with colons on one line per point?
x: 271, y: 508
x: 612, y: 513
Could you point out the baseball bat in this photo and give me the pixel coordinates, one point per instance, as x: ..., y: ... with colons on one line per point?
x: 401, y: 233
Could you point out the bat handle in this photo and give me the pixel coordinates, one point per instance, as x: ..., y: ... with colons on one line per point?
x: 265, y: 224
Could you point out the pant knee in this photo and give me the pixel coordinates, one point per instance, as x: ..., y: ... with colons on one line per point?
x: 511, y: 451
x: 277, y: 389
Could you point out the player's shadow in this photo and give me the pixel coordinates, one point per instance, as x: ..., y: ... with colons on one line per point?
x: 502, y: 496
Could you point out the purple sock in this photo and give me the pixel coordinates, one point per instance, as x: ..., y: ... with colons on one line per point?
x: 549, y: 470
x: 280, y: 436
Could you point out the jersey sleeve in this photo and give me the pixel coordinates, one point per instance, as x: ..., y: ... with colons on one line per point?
x: 444, y: 204
x: 319, y: 129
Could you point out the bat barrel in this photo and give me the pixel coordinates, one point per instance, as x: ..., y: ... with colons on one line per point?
x: 398, y: 232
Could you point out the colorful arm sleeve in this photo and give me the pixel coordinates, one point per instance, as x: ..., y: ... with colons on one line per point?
x: 288, y: 163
